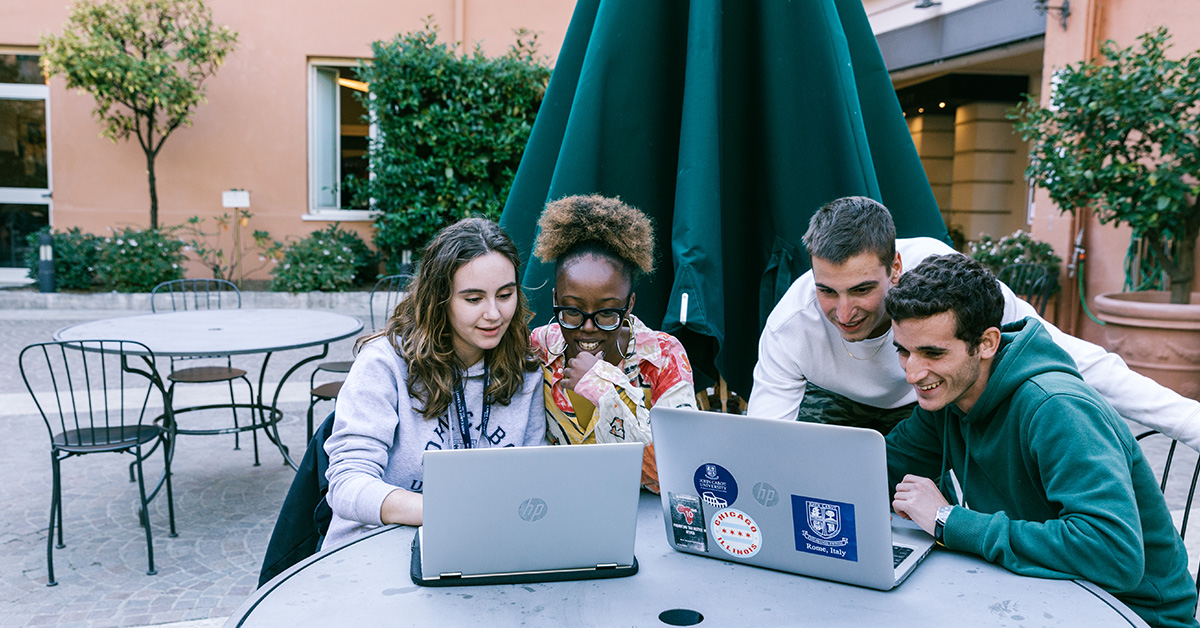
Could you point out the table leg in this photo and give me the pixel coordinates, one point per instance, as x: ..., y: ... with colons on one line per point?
x: 273, y: 432
x: 168, y: 426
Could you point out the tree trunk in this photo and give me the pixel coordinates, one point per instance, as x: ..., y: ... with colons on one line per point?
x: 153, y: 190
x: 1185, y: 258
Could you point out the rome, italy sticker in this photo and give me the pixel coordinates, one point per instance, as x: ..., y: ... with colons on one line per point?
x: 687, y: 522
x: 825, y: 527
x: 715, y: 485
x: 736, y: 533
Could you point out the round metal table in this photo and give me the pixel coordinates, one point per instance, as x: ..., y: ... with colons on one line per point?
x: 220, y: 333
x: 366, y: 582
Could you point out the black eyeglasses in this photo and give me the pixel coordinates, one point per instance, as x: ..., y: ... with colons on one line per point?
x: 606, y: 319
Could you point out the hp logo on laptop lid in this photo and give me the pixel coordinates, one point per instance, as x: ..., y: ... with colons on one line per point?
x: 532, y: 509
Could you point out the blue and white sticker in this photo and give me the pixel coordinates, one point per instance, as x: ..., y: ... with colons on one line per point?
x: 736, y: 533
x: 825, y: 527
x: 715, y: 485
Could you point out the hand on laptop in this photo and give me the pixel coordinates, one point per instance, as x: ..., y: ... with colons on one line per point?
x: 918, y: 499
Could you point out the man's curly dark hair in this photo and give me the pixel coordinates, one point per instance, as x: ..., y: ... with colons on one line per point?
x: 945, y: 283
x: 575, y: 226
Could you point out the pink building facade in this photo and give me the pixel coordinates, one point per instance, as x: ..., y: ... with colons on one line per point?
x: 280, y: 124
x: 277, y: 122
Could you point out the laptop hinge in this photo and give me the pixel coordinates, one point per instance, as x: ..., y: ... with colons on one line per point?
x: 451, y: 575
x: 606, y: 566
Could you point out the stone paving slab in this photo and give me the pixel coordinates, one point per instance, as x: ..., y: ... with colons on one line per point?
x: 225, y: 507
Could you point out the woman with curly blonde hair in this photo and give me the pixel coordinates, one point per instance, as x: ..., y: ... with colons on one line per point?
x: 452, y: 369
x: 603, y: 368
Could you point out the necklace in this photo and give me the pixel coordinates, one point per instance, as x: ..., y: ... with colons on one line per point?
x: 883, y: 341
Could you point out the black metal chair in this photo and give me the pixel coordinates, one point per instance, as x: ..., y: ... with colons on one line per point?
x: 204, y: 294
x: 92, y: 397
x: 385, y: 295
x: 1177, y: 484
x: 1031, y: 282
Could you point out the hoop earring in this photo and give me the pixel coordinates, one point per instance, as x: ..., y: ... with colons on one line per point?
x: 562, y: 349
x: 632, y: 341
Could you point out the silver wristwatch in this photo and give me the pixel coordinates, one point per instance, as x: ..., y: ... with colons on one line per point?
x: 939, y: 524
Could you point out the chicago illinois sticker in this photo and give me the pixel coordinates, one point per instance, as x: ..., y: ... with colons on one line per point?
x: 736, y: 533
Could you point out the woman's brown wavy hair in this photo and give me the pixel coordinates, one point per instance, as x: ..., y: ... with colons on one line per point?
x: 419, y: 329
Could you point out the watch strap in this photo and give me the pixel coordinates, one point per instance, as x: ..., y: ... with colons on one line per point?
x: 939, y: 524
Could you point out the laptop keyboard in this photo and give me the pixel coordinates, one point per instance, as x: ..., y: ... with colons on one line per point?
x: 899, y: 553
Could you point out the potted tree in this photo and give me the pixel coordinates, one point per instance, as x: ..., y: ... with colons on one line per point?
x: 145, y: 62
x: 1121, y: 135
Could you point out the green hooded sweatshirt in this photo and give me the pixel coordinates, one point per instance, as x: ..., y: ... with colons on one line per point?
x: 1053, y: 483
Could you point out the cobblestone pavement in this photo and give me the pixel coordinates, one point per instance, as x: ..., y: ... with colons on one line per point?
x: 225, y: 508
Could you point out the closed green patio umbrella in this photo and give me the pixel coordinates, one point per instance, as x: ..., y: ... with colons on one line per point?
x: 729, y: 124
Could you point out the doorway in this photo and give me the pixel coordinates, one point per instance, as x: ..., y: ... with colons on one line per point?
x: 25, y: 191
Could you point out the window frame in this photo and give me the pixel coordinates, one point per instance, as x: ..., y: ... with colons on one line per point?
x: 39, y: 92
x: 316, y: 118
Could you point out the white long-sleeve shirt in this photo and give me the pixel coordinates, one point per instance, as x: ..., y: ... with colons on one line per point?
x: 800, y: 345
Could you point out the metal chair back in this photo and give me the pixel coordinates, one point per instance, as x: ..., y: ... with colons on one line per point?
x: 92, y: 392
x: 385, y: 296
x: 1031, y: 282
x: 1175, y: 486
x: 93, y: 397
x: 195, y: 294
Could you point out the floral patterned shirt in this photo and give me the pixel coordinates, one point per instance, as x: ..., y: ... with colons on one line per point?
x: 656, y: 372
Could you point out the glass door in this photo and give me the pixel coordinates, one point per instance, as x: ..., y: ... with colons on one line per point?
x: 24, y: 155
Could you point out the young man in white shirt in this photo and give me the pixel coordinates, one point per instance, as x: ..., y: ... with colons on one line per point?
x: 826, y: 353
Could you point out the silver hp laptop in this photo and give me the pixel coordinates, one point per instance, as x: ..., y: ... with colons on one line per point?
x: 805, y: 498
x: 528, y: 514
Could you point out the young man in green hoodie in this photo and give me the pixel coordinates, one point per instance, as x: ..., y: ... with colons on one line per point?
x: 1012, y: 457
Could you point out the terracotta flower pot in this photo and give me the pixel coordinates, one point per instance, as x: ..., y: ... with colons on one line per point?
x: 1157, y: 338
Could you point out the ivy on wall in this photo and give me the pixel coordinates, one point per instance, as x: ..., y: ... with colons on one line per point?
x: 451, y: 129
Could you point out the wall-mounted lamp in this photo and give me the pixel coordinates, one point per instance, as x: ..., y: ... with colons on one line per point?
x: 925, y: 4
x: 1063, y: 10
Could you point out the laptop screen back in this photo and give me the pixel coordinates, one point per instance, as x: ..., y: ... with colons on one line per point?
x: 521, y: 509
x: 799, y: 497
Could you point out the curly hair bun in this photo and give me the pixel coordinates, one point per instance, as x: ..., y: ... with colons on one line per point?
x: 574, y: 221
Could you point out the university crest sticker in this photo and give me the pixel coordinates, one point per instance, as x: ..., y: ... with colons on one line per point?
x: 715, y: 485
x: 825, y: 527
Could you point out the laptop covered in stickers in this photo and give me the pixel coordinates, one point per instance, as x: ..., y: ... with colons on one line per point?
x: 528, y: 514
x: 804, y: 498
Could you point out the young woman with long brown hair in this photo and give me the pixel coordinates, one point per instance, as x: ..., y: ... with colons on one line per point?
x: 452, y: 369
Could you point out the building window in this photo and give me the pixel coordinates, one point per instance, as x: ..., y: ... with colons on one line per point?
x: 338, y: 136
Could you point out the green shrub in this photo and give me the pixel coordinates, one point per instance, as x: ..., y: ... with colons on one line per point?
x: 400, y: 231
x: 132, y: 260
x: 76, y: 258
x: 1017, y: 248
x: 330, y: 260
x: 451, y: 131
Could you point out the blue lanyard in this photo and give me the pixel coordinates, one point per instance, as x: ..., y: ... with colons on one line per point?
x: 460, y: 405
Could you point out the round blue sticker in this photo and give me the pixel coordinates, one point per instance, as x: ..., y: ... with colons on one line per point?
x: 716, y: 485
